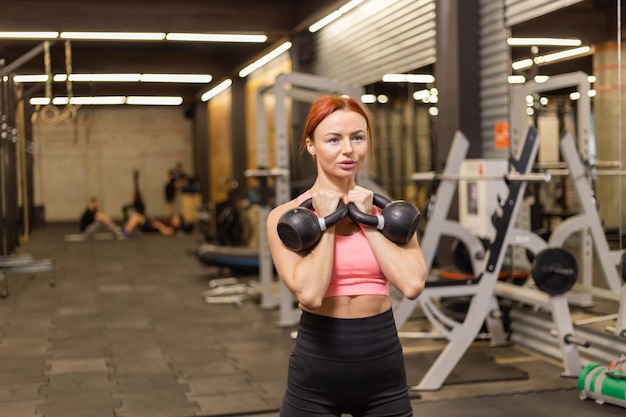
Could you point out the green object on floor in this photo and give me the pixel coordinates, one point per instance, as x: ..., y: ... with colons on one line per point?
x: 604, y: 384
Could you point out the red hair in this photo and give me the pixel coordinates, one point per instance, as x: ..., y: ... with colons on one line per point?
x: 324, y: 106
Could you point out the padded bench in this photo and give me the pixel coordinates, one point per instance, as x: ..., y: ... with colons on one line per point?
x: 23, y: 264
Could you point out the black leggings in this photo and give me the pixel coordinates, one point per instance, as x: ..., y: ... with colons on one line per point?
x: 347, y: 366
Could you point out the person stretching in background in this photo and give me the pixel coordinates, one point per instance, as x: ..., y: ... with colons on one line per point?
x: 166, y: 227
x: 93, y: 220
x: 176, y: 178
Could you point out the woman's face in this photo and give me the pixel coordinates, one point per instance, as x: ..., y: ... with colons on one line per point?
x: 340, y: 143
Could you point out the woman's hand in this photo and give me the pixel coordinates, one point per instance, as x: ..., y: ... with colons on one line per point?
x: 362, y: 199
x: 325, y: 201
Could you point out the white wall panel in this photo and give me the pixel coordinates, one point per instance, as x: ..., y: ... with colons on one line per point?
x: 517, y: 11
x: 378, y: 37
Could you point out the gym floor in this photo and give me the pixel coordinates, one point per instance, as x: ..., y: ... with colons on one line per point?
x: 125, y: 332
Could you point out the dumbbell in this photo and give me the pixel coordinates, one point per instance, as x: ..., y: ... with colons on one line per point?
x: 300, y: 229
x: 397, y: 221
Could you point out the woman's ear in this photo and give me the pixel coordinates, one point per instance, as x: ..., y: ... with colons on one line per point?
x: 309, y: 147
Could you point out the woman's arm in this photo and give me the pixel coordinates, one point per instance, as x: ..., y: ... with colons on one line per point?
x: 403, y: 265
x: 306, y: 274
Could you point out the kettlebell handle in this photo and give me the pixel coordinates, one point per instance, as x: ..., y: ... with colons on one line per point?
x: 397, y: 221
x: 330, y: 220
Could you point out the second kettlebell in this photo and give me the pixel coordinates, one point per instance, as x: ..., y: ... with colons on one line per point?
x: 397, y: 221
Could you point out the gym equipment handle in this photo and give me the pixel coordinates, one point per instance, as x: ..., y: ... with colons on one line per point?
x: 397, y: 221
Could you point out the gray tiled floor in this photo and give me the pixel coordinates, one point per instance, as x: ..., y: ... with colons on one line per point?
x: 126, y: 333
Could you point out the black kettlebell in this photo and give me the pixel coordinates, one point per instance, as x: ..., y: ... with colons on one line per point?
x: 397, y: 221
x: 300, y: 229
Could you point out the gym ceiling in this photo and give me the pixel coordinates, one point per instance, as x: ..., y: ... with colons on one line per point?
x: 277, y: 19
x: 592, y: 21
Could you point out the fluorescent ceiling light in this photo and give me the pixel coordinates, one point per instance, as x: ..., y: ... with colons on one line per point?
x: 216, y: 90
x: 101, y: 77
x: 139, y: 36
x: 264, y: 60
x: 147, y: 78
x: 29, y: 35
x: 556, y: 56
x: 516, y: 79
x: 39, y: 101
x: 109, y: 100
x: 33, y: 78
x: 100, y: 100
x: 121, y: 36
x: 154, y: 100
x: 408, y: 78
x: 176, y: 78
x: 521, y: 64
x: 553, y: 57
x: 421, y: 95
x: 368, y: 98
x: 215, y: 37
x: 334, y: 15
x: 541, y: 78
x: 576, y: 94
x: 543, y: 42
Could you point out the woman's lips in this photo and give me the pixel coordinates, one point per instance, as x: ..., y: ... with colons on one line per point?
x: 347, y: 164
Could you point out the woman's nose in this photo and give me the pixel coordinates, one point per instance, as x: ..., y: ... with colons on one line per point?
x: 347, y: 145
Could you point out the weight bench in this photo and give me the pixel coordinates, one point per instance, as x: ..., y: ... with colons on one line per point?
x: 23, y: 264
x: 236, y: 258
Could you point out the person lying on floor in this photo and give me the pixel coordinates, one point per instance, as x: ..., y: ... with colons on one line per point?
x: 166, y: 227
x: 93, y: 220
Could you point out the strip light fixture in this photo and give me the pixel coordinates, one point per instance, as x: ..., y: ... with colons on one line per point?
x: 334, y: 15
x: 215, y: 37
x: 553, y: 57
x: 120, y: 77
x: 118, y: 36
x: 264, y: 59
x: 409, y: 78
x: 139, y: 36
x: 543, y: 42
x: 109, y: 100
x: 29, y: 35
x: 216, y: 90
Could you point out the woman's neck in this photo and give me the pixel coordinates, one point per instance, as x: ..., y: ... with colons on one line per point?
x: 342, y: 186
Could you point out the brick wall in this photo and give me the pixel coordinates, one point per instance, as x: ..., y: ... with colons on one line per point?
x: 97, y: 152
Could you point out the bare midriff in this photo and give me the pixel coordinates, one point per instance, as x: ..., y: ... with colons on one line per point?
x: 352, y: 307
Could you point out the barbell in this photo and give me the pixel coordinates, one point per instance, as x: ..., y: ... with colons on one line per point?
x: 511, y: 176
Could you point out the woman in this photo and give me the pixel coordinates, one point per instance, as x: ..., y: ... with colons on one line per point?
x: 347, y: 358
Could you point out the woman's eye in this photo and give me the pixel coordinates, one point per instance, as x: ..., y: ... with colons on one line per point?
x: 333, y: 140
x: 358, y: 138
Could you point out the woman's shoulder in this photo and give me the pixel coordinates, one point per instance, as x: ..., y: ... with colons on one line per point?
x: 279, y: 210
x: 282, y: 208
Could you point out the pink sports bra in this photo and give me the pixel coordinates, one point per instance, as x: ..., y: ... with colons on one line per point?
x: 355, y: 268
